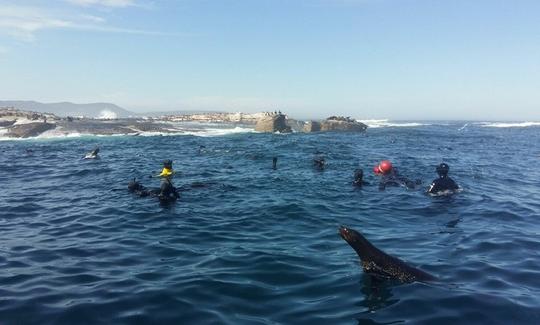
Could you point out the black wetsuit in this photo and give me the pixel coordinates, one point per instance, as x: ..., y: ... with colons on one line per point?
x: 441, y: 184
x: 394, y: 179
x: 359, y: 178
x: 319, y: 163
x: 167, y: 190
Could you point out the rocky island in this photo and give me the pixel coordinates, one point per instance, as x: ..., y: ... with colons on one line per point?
x: 16, y: 123
x: 335, y: 123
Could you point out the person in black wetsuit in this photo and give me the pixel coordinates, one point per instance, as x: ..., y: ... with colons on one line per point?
x: 359, y: 178
x: 443, y: 183
x: 167, y: 190
x: 319, y: 163
x: 390, y: 176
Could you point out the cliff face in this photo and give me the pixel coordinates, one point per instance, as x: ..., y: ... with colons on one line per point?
x: 272, y: 123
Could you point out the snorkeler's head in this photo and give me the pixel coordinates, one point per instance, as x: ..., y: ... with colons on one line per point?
x: 167, y: 163
x: 442, y: 169
x: 358, y: 174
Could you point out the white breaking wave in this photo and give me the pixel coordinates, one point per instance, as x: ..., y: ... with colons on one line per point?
x: 107, y: 115
x: 214, y: 132
x: 508, y: 124
x: 387, y: 123
x: 62, y: 134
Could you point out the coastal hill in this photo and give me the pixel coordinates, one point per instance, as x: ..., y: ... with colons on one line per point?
x: 64, y: 109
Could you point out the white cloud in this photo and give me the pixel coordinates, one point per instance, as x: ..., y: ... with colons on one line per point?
x: 23, y: 22
x: 92, y: 18
x: 103, y: 3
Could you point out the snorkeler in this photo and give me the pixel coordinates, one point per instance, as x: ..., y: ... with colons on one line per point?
x: 390, y: 176
x: 319, y: 162
x: 359, y: 178
x: 167, y: 190
x: 443, y: 183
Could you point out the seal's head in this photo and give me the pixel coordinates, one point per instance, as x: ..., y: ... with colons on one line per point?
x: 359, y: 243
x: 442, y: 169
x: 349, y: 235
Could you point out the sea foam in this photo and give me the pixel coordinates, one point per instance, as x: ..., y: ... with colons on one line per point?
x: 508, y: 124
x: 387, y: 123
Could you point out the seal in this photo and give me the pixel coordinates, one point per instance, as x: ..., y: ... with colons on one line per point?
x: 92, y: 154
x: 378, y: 263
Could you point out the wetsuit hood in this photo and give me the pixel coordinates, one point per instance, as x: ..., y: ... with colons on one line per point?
x: 442, y: 170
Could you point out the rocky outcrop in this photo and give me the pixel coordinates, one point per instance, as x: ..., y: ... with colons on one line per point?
x: 4, y: 124
x: 336, y: 123
x: 216, y: 117
x: 312, y: 126
x: 29, y: 129
x: 296, y: 125
x: 273, y: 123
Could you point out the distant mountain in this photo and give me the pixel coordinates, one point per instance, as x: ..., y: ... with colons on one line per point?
x: 103, y: 110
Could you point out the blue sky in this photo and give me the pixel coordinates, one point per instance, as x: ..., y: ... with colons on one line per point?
x: 397, y: 59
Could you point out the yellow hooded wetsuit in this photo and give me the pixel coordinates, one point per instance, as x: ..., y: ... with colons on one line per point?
x: 166, y: 172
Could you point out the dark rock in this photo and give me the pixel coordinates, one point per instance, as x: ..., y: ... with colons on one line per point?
x: 336, y: 123
x: 4, y: 124
x: 29, y: 130
x: 312, y: 126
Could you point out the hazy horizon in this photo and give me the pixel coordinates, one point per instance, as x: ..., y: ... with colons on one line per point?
x: 368, y: 59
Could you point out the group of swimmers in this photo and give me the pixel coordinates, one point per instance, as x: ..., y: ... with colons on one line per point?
x: 390, y: 177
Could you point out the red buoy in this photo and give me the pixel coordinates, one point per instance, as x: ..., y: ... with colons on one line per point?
x: 385, y: 166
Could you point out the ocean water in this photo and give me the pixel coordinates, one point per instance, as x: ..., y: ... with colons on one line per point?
x: 246, y: 244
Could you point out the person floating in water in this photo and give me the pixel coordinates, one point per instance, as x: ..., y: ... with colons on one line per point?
x: 443, y: 184
x: 359, y: 178
x: 274, y: 163
x: 167, y: 190
x: 319, y: 163
x: 201, y: 149
x: 390, y: 176
x: 92, y: 154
